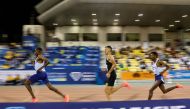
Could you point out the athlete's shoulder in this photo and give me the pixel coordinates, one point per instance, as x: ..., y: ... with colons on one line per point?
x: 41, y: 57
x: 111, y: 56
x: 161, y: 63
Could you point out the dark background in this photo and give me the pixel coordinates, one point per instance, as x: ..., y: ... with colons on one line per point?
x: 14, y: 14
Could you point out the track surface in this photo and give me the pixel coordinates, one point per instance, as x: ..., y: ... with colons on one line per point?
x: 89, y: 93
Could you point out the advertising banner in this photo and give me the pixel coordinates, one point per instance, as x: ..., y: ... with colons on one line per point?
x: 154, y: 104
x: 180, y: 74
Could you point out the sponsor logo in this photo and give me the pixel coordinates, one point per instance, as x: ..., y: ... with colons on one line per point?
x: 180, y: 74
x: 15, y: 107
x: 76, y: 75
x: 88, y: 79
x: 158, y: 107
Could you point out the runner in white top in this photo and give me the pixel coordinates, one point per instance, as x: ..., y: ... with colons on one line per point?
x: 159, y: 68
x: 39, y: 65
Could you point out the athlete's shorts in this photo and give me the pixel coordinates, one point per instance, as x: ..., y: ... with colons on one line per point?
x: 39, y: 76
x: 110, y: 81
x: 159, y: 78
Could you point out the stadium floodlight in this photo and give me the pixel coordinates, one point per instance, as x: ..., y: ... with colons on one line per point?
x: 137, y: 20
x: 93, y: 14
x: 140, y: 14
x: 177, y: 21
x: 116, y: 20
x: 184, y: 15
x: 117, y: 14
x: 157, y: 20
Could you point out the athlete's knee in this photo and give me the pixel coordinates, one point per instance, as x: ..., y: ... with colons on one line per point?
x: 27, y: 82
x: 151, y: 91
x: 107, y: 91
x: 52, y: 88
x: 164, y: 91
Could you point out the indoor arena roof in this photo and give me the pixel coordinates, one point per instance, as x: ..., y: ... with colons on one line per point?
x: 171, y: 14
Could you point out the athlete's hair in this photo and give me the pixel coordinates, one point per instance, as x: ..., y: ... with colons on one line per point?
x: 109, y: 47
x: 39, y: 49
x: 155, y: 53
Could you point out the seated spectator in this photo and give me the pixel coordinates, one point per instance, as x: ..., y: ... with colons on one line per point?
x: 13, y: 80
x: 11, y: 60
x: 143, y: 65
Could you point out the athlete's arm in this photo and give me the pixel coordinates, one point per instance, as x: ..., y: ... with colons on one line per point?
x: 32, y: 62
x: 150, y: 51
x: 111, y: 58
x: 150, y: 71
x: 162, y: 64
x: 45, y: 64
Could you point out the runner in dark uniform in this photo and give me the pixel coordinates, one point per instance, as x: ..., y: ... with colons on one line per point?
x: 111, y: 74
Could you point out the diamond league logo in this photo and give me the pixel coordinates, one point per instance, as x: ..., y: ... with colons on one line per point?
x: 76, y: 75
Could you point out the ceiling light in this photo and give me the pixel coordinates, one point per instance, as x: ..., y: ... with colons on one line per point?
x: 185, y: 15
x: 75, y: 23
x: 55, y: 24
x: 177, y: 21
x: 116, y: 20
x: 115, y: 23
x: 73, y: 20
x: 94, y: 20
x: 93, y: 14
x: 157, y: 20
x: 187, y: 30
x: 171, y: 25
x: 95, y: 23
x: 117, y: 14
x: 137, y: 20
x: 140, y: 15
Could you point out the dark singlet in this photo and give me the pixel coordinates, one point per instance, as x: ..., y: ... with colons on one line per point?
x: 110, y: 81
x: 109, y: 65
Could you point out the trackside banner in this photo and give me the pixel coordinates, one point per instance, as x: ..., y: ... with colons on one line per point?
x: 180, y: 74
x: 154, y: 104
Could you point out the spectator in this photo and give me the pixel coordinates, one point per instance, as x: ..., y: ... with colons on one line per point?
x: 143, y: 65
x: 12, y: 80
x: 11, y: 60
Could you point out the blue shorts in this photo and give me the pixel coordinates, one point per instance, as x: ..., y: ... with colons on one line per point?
x: 39, y: 76
x: 160, y: 78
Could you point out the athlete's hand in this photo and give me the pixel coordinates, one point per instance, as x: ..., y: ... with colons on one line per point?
x: 108, y: 75
x: 40, y: 69
x: 103, y: 69
x: 150, y: 71
x: 162, y: 73
x: 33, y: 62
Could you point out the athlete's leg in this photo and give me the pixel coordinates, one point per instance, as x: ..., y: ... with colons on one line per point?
x: 27, y: 84
x: 108, y: 92
x: 162, y: 88
x: 66, y: 97
x: 115, y: 89
x: 54, y: 89
x: 151, y: 91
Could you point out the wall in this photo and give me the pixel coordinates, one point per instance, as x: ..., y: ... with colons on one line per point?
x: 102, y: 31
x: 183, y: 36
x: 186, y: 37
x: 37, y: 30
